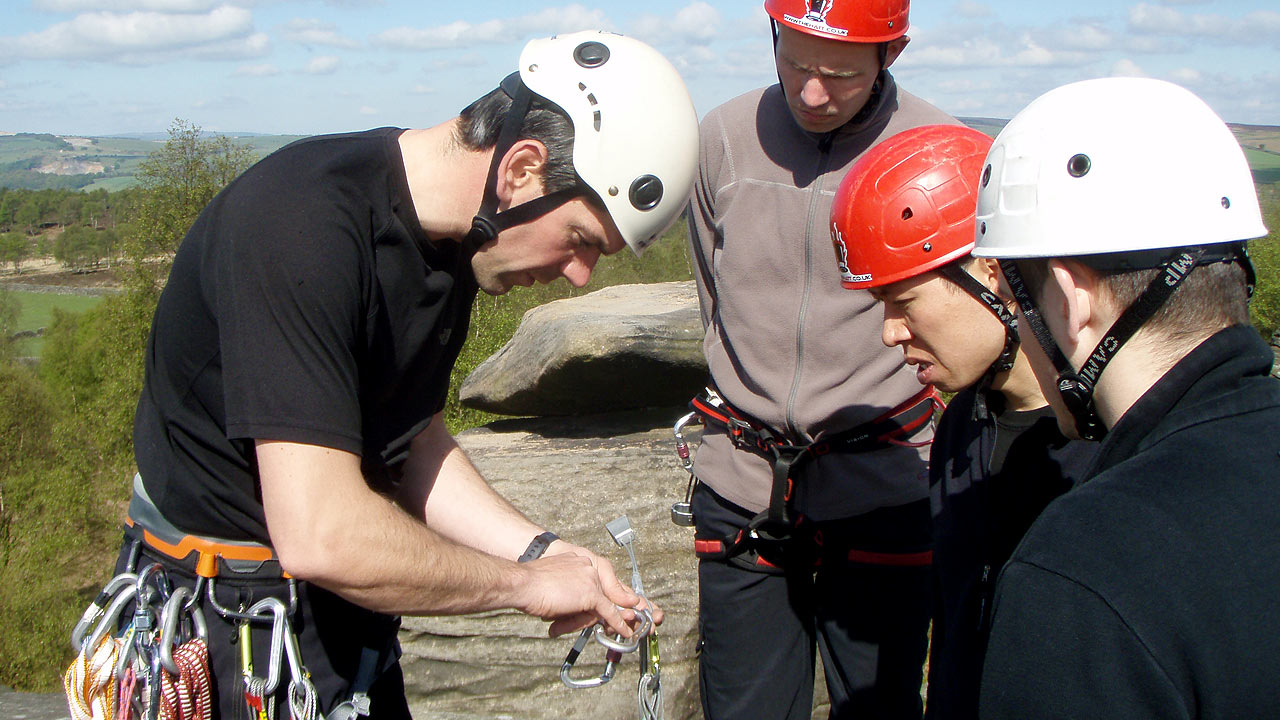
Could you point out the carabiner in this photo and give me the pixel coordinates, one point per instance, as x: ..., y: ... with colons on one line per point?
x: 610, y: 665
x: 169, y: 619
x: 631, y: 644
x: 99, y: 604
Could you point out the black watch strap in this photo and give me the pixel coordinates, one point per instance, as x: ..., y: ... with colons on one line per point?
x: 538, y: 546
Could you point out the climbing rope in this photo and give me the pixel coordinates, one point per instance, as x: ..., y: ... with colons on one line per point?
x: 91, y: 683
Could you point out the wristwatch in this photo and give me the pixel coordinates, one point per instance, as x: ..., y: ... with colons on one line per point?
x: 538, y: 546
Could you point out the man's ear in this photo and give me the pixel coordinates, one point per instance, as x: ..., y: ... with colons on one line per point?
x: 896, y: 46
x: 1077, y: 298
x: 521, y: 168
x: 987, y: 272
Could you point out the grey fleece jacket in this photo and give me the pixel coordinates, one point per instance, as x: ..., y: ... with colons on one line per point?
x: 785, y: 343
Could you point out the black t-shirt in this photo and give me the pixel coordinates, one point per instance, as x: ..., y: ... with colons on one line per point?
x: 305, y: 305
x: 989, y: 480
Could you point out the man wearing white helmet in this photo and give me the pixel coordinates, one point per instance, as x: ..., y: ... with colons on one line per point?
x: 801, y: 546
x: 1119, y: 210
x: 301, y: 351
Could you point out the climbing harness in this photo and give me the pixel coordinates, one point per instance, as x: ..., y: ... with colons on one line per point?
x: 777, y: 522
x: 156, y: 667
x: 644, y: 639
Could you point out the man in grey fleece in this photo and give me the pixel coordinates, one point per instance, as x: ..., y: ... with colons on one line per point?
x: 791, y: 351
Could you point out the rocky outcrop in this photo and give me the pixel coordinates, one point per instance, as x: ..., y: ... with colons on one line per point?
x: 623, y: 347
x: 572, y: 476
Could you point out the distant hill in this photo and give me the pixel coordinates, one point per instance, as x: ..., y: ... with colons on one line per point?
x: 37, y: 161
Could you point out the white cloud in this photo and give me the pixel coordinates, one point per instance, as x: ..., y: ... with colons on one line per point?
x: 144, y: 36
x: 1187, y: 76
x: 465, y: 34
x: 259, y: 70
x: 1255, y: 27
x: 696, y: 23
x: 1125, y: 67
x: 315, y: 32
x: 366, y: 110
x: 323, y: 65
x: 164, y: 6
x: 971, y: 9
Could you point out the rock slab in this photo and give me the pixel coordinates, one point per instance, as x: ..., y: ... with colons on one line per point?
x: 623, y: 347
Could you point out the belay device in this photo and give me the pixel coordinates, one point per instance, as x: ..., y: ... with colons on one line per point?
x: 645, y: 639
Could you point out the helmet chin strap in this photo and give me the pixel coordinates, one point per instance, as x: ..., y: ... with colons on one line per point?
x: 1077, y: 388
x: 488, y: 222
x: 958, y: 275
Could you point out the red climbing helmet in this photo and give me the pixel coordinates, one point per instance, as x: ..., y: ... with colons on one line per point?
x: 907, y: 206
x: 865, y: 21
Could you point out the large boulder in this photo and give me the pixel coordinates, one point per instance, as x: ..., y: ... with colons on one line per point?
x: 623, y: 347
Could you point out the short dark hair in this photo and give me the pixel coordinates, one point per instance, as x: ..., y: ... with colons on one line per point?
x: 1212, y: 296
x: 480, y: 123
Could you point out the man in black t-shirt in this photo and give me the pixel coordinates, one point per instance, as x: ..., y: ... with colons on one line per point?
x: 301, y: 351
x: 1150, y: 590
x: 903, y: 224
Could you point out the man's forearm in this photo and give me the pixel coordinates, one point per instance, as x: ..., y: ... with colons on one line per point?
x: 442, y: 486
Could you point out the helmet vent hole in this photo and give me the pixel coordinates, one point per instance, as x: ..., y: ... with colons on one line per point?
x: 907, y: 214
x: 582, y: 86
x: 591, y: 98
x: 591, y: 54
x: 986, y: 175
x: 1078, y: 165
x: 982, y: 228
x: 596, y: 120
x: 1226, y: 203
x: 646, y: 192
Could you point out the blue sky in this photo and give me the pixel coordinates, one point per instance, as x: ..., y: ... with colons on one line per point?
x: 97, y: 67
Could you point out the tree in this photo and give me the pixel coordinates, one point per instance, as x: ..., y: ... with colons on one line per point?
x: 14, y: 248
x: 177, y: 181
x: 79, y: 248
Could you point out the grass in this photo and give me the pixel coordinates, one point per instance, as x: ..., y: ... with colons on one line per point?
x: 37, y: 312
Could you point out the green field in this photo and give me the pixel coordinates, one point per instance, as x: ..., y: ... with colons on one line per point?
x: 37, y: 312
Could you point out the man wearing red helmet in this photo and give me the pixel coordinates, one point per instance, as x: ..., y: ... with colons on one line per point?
x: 798, y: 548
x: 903, y: 225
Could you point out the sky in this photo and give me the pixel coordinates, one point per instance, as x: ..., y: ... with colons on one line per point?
x: 302, y: 67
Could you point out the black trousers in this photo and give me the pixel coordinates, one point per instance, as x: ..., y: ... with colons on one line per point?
x: 331, y: 634
x: 868, y: 617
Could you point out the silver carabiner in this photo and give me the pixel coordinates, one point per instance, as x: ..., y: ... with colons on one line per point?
x: 610, y: 665
x: 99, y: 604
x: 169, y: 619
x: 627, y: 645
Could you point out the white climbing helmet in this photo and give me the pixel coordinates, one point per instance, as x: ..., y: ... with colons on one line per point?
x: 635, y: 132
x: 1114, y: 165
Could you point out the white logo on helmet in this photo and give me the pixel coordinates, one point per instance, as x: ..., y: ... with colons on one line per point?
x: 816, y: 18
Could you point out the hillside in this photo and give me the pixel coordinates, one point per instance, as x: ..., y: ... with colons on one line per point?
x: 41, y: 161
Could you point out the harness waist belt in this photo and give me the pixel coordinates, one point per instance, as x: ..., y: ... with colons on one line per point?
x: 237, y: 556
x: 787, y: 458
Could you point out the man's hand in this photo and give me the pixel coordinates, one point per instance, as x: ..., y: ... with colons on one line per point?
x: 574, y: 588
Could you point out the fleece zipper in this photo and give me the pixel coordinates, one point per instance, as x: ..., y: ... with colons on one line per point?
x: 824, y: 158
